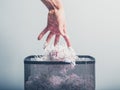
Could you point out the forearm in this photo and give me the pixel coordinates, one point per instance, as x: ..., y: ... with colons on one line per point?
x: 53, y: 4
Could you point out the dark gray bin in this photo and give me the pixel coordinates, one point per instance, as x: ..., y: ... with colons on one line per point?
x: 58, y: 75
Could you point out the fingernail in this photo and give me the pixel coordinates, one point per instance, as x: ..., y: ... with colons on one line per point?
x: 38, y: 38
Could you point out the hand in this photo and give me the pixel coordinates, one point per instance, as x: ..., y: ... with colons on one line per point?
x: 57, y: 26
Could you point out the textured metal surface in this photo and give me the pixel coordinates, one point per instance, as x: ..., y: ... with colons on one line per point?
x: 47, y: 75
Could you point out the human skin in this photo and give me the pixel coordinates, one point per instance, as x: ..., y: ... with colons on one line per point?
x: 56, y: 23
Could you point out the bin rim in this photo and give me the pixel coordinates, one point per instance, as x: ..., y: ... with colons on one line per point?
x: 27, y: 60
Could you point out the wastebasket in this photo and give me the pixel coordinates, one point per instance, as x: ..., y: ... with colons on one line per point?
x: 59, y: 75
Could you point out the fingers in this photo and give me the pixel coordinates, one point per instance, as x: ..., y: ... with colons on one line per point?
x: 65, y: 36
x: 57, y: 38
x: 61, y: 30
x: 48, y: 40
x: 43, y: 33
x: 51, y: 34
x: 67, y: 40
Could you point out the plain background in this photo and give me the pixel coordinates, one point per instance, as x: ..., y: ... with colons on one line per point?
x: 93, y: 27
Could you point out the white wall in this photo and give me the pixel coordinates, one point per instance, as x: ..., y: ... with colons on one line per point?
x: 93, y: 26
